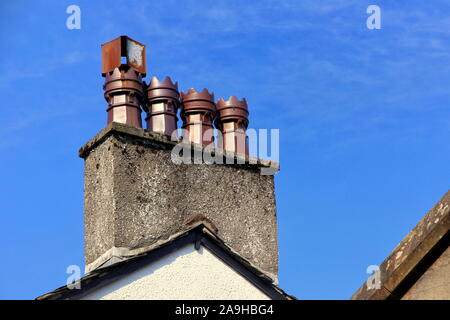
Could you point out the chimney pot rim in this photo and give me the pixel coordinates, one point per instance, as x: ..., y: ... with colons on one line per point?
x: 193, y: 94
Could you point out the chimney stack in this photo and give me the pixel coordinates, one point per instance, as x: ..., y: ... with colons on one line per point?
x: 232, y: 121
x: 163, y: 101
x: 135, y: 194
x: 123, y: 82
x: 198, y: 113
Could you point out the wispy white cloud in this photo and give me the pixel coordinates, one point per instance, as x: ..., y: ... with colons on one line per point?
x: 318, y: 53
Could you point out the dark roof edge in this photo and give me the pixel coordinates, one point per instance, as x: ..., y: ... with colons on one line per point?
x: 199, y: 234
x: 413, y: 254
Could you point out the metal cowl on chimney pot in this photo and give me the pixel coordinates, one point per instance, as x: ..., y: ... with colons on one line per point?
x: 123, y: 81
x: 232, y: 121
x: 198, y: 113
x: 163, y: 101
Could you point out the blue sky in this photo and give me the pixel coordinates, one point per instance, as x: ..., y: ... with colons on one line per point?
x: 364, y: 121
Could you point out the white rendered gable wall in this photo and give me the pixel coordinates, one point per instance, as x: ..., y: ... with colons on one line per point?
x: 184, y: 274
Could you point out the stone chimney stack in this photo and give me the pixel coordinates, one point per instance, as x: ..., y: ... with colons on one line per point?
x: 137, y: 196
x: 123, y: 82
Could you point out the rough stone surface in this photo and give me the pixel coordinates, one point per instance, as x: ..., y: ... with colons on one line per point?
x: 135, y: 196
x: 98, y: 197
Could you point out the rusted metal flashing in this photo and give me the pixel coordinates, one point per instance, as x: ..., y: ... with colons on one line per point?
x: 123, y: 46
